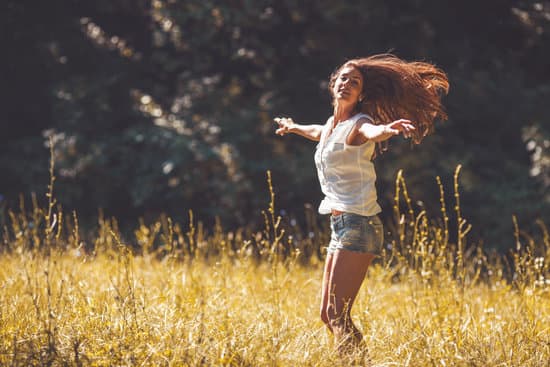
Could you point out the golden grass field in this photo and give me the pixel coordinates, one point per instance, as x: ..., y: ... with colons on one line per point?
x: 170, y: 296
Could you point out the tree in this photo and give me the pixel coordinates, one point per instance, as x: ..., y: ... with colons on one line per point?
x: 166, y: 105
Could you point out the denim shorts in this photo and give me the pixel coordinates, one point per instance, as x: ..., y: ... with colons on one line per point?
x: 354, y: 232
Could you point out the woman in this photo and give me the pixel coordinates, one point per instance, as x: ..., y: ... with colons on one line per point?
x: 374, y: 99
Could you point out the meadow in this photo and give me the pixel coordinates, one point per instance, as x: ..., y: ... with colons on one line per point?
x: 182, y: 295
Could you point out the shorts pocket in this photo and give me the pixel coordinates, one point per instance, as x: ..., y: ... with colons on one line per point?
x: 353, y: 231
x: 375, y: 233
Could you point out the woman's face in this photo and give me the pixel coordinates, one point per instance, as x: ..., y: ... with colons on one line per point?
x: 348, y: 85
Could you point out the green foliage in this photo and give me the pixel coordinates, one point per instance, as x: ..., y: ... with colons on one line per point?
x: 164, y: 106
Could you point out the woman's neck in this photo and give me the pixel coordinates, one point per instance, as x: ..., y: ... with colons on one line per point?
x: 342, y: 113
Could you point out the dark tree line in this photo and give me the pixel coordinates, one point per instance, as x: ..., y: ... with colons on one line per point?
x: 166, y: 105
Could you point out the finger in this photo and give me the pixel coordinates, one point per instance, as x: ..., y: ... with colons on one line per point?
x: 401, y: 127
x: 395, y: 124
x: 406, y: 129
x: 403, y: 123
x: 282, y: 120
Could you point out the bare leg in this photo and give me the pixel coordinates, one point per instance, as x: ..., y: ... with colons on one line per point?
x: 347, y: 271
x: 325, y: 291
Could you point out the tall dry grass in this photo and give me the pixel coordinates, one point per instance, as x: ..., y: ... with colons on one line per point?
x: 175, y: 295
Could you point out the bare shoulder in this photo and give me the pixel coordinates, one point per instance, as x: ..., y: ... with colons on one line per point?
x: 365, y: 119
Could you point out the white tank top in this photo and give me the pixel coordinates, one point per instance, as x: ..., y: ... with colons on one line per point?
x: 346, y: 172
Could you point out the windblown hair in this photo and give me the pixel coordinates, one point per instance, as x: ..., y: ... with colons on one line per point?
x: 395, y: 89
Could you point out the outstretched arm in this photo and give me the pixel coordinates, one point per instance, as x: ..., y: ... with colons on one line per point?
x: 287, y: 125
x: 378, y: 133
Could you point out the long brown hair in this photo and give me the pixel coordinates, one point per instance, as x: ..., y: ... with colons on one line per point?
x: 394, y: 89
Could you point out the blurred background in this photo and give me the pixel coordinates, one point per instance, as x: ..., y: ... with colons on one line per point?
x: 162, y: 106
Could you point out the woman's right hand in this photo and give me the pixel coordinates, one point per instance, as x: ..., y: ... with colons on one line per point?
x: 285, y: 125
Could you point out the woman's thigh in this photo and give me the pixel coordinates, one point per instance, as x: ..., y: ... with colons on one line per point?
x: 347, y: 271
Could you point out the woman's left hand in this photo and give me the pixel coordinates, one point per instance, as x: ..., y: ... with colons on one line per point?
x: 382, y: 132
x: 401, y: 126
